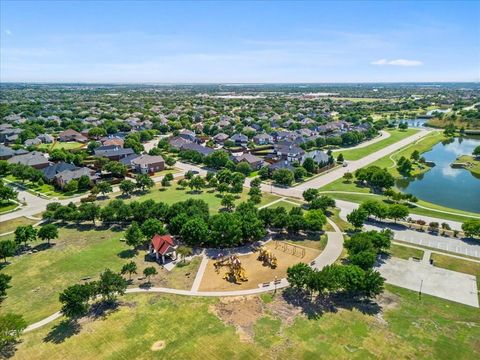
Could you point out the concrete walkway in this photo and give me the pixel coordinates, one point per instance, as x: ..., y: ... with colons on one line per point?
x: 328, y: 256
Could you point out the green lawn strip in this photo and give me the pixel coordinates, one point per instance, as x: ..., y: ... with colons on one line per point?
x: 456, y: 264
x: 404, y: 252
x: 287, y: 205
x: 7, y: 206
x: 395, y: 136
x: 173, y: 194
x: 11, y: 225
x: 401, y: 242
x: 469, y: 163
x: 427, y: 328
x: 365, y: 194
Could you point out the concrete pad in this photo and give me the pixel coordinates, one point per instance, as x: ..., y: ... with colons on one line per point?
x: 446, y: 284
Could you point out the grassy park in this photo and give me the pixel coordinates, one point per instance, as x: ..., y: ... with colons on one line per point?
x: 395, y: 136
x: 72, y: 145
x: 405, y: 252
x: 402, y: 326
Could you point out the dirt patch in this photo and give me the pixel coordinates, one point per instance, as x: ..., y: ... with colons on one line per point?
x: 388, y: 301
x: 283, y: 310
x: 241, y: 312
x: 158, y: 345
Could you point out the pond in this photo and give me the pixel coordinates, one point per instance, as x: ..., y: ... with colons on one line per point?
x: 413, y: 123
x: 443, y: 185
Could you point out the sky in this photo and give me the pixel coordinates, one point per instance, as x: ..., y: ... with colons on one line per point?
x: 239, y: 41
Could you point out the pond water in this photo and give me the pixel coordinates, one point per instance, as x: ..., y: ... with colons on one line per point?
x: 413, y: 123
x: 443, y: 185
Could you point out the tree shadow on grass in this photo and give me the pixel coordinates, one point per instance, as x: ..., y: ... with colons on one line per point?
x: 127, y: 254
x: 315, y: 306
x: 102, y: 309
x: 62, y: 331
x: 8, y: 350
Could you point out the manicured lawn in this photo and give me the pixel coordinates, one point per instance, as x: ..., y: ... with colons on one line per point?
x: 395, y: 136
x: 62, y: 145
x: 430, y: 328
x: 404, y: 252
x: 473, y: 165
x: 173, y: 194
x: 455, y: 264
x: 11, y: 225
x: 287, y: 205
x: 38, y: 278
x: 365, y: 194
x: 45, y: 189
x: 6, y: 206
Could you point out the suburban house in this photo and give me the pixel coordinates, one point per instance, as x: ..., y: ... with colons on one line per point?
x: 113, y: 152
x: 161, y: 246
x: 46, y: 138
x: 51, y: 171
x: 148, y: 164
x: 205, y: 151
x: 188, y: 135
x: 289, y: 151
x: 254, y: 161
x: 220, y: 138
x: 239, y: 139
x: 114, y: 140
x: 9, y: 134
x: 318, y: 156
x: 177, y: 142
x: 7, y: 153
x: 32, y: 142
x: 71, y: 135
x: 34, y: 159
x: 64, y: 177
x: 263, y: 139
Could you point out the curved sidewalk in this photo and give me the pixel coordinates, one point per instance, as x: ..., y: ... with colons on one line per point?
x: 328, y: 256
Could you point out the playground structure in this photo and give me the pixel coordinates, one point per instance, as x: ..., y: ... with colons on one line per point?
x: 235, y: 273
x: 290, y: 248
x: 267, y: 257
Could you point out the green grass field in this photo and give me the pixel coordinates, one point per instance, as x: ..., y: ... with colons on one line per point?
x: 11, y: 225
x: 62, y: 145
x: 6, y: 206
x: 404, y: 252
x: 406, y: 327
x: 395, y: 136
x: 173, y: 194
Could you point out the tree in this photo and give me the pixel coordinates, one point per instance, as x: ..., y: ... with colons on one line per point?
x: 152, y: 227
x: 471, y: 228
x: 195, y: 231
x: 340, y: 158
x: 283, y: 177
x: 299, y: 173
x: 115, y: 168
x: 244, y: 168
x: 225, y: 230
x: 129, y: 268
x: 149, y: 271
x: 228, y: 202
x: 348, y: 176
x: 104, y: 187
x: 217, y: 160
x: 184, y: 251
x: 196, y: 183
x: 4, y: 284
x: 415, y: 156
x: 71, y: 186
x: 7, y: 248
x: 315, y: 220
x: 310, y: 194
x: 357, y: 217
x: 170, y: 161
x: 7, y: 193
x: 84, y: 182
x: 309, y: 165
x: 299, y: 275
x: 373, y: 283
x: 88, y: 212
x: 404, y: 166
x: 134, y: 236
x: 75, y: 299
x: 144, y: 182
x: 397, y: 212
x: 11, y: 327
x: 127, y: 187
x: 476, y: 151
x: 110, y: 285
x: 323, y: 203
x: 48, y: 232
x: 252, y: 226
x: 25, y: 234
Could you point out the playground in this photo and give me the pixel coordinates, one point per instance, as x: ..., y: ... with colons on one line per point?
x: 263, y: 265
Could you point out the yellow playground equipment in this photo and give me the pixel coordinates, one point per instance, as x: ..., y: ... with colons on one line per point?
x: 267, y: 257
x: 235, y: 273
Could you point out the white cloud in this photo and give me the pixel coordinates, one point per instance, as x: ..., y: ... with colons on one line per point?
x: 397, y: 62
